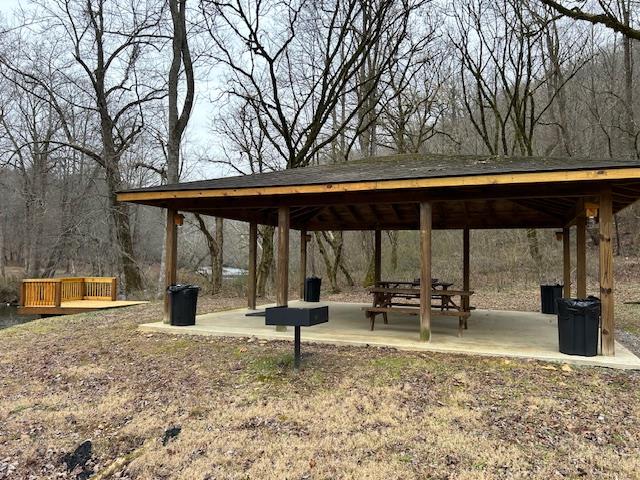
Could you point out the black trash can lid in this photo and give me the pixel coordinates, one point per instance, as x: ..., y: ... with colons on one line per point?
x: 181, y: 287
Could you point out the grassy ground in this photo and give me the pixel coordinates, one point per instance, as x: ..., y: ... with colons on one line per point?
x: 349, y: 413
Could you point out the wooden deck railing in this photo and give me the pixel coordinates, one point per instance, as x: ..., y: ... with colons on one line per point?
x: 51, y: 292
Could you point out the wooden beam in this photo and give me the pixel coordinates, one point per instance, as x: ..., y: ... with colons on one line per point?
x: 566, y: 261
x: 606, y: 272
x: 375, y: 213
x: 170, y: 259
x: 540, y: 207
x: 581, y: 257
x: 253, y: 261
x: 303, y: 261
x: 466, y: 267
x: 377, y: 256
x: 400, y: 196
x: 375, y: 185
x: 354, y: 213
x: 425, y: 271
x: 282, y: 272
x: 397, y: 212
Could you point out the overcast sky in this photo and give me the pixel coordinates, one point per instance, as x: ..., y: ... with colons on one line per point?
x: 7, y: 5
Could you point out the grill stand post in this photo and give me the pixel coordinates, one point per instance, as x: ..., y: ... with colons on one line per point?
x: 296, y: 347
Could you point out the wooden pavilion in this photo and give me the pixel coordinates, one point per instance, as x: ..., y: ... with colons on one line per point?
x: 411, y: 192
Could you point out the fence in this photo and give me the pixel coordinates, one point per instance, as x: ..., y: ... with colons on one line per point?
x: 51, y: 292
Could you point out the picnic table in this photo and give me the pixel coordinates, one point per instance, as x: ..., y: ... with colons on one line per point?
x: 400, y: 296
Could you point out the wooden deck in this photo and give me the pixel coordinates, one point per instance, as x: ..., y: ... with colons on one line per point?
x: 66, y: 296
x: 77, y: 306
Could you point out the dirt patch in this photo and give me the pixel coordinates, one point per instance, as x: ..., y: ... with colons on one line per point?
x: 243, y: 412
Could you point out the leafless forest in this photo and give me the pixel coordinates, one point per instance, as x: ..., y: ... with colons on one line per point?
x: 97, y: 96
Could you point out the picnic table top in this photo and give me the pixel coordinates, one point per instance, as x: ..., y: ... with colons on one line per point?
x: 434, y: 282
x: 416, y: 291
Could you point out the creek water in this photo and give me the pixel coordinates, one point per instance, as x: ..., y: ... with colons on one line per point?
x: 9, y: 316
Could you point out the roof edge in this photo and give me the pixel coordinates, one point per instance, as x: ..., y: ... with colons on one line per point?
x: 515, y: 178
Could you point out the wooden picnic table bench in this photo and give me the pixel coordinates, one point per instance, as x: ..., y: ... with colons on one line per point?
x: 383, y: 303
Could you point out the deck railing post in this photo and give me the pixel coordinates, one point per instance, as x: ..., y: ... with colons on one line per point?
x: 58, y: 293
x: 114, y: 289
x: 23, y: 293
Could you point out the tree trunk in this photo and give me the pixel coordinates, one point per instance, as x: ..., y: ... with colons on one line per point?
x: 534, y: 247
x: 219, y: 260
x: 214, y: 245
x: 393, y: 240
x: 617, y: 229
x: 331, y: 272
x: 119, y: 212
x: 630, y: 124
x: 265, y: 268
x: 368, y: 248
x: 2, y: 247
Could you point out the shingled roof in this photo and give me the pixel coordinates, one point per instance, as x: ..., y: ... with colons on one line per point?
x: 400, y: 167
x: 474, y: 191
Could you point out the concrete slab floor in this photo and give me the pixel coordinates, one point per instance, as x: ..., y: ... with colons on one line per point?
x: 490, y: 332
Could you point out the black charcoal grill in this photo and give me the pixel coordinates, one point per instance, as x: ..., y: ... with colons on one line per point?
x: 297, y: 317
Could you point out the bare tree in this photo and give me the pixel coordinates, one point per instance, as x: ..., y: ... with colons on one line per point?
x: 501, y: 52
x: 293, y: 62
x: 181, y: 59
x: 215, y: 249
x: 246, y: 151
x: 106, y: 41
x: 612, y: 14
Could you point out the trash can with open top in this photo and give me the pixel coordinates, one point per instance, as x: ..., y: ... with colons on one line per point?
x: 578, y: 325
x: 183, y: 299
x: 312, y: 289
x: 549, y: 295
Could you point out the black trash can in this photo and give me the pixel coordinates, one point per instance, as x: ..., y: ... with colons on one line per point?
x: 182, y: 304
x: 312, y: 289
x: 578, y: 324
x: 549, y: 295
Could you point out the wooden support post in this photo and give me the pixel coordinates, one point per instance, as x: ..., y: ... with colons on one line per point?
x: 303, y: 262
x: 466, y: 284
x: 253, y: 259
x: 606, y: 272
x: 581, y: 257
x: 425, y: 271
x: 566, y: 261
x: 282, y: 272
x: 377, y: 257
x: 170, y: 259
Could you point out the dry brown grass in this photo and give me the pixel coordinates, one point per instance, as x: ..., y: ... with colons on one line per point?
x: 349, y: 413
